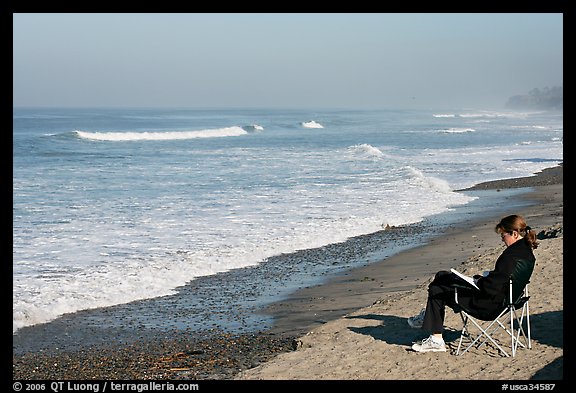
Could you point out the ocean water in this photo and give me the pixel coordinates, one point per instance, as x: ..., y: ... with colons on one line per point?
x: 116, y: 205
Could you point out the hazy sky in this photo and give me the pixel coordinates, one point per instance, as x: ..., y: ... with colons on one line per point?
x: 284, y: 60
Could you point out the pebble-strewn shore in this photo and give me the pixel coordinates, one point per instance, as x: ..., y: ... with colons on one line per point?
x: 548, y: 176
x: 180, y: 356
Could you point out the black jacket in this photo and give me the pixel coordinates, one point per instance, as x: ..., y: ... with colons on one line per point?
x: 518, y: 260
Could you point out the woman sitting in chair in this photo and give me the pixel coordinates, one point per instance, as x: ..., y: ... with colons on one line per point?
x: 520, y: 240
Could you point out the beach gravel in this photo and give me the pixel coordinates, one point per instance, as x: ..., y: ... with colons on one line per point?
x: 179, y: 356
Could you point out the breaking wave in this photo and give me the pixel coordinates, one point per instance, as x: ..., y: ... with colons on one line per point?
x: 157, y: 136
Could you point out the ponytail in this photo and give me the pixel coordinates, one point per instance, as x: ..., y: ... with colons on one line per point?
x: 530, y: 238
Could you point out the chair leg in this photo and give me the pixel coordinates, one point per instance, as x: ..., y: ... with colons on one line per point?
x: 463, y: 333
x: 484, y: 332
x: 493, y: 326
x: 528, y: 324
x: 512, y: 332
x: 520, y: 332
x: 515, y: 335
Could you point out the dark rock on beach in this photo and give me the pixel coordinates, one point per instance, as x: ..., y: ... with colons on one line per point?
x: 179, y: 357
x: 548, y: 176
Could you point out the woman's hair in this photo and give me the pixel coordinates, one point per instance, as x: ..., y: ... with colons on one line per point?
x: 517, y: 223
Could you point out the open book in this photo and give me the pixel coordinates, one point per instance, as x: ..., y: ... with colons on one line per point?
x: 464, y: 277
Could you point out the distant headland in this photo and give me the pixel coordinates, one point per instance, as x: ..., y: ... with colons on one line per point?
x: 546, y: 98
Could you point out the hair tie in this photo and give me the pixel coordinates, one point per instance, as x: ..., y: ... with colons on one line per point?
x: 528, y: 229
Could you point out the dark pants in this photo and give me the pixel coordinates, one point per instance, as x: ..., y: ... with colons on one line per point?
x: 440, y: 294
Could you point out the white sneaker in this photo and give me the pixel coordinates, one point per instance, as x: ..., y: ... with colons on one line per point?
x: 416, y: 321
x: 430, y: 344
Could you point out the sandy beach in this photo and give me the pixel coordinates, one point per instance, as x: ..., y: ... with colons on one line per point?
x: 373, y: 343
x: 352, y: 327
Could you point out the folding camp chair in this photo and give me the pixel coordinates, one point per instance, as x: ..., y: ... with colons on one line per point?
x: 516, y: 324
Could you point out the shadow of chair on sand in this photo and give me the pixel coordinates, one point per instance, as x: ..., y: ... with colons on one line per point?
x: 395, y: 330
x: 546, y: 329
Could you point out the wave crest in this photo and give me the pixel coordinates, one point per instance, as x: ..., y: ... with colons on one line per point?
x: 311, y: 124
x: 430, y: 183
x: 157, y: 136
x: 367, y: 150
x: 456, y: 130
x: 253, y: 128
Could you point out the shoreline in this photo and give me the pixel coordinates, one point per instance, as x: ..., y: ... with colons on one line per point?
x: 372, y: 342
x: 404, y: 271
x: 182, y: 354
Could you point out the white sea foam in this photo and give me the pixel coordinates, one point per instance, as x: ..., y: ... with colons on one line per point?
x: 456, y: 130
x: 366, y: 150
x: 427, y: 182
x: 101, y: 286
x: 497, y: 114
x: 311, y: 124
x: 253, y: 127
x: 530, y: 127
x: 157, y: 136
